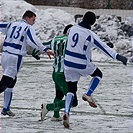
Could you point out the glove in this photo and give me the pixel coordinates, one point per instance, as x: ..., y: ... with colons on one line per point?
x: 122, y: 59
x: 35, y: 54
x: 37, y: 57
x: 110, y: 44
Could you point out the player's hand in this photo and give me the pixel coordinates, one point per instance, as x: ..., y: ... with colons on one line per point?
x: 122, y: 59
x: 110, y: 44
x: 35, y: 54
x: 49, y: 53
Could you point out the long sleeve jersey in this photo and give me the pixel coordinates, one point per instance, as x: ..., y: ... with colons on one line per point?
x: 79, y: 48
x: 58, y: 45
x: 18, y: 35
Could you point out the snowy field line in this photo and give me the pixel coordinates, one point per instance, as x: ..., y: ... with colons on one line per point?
x: 75, y: 112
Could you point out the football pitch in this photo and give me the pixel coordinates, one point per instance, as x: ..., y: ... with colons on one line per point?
x: 35, y: 86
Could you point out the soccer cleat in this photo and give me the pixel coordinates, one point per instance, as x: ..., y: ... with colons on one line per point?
x: 90, y: 100
x: 66, y: 120
x: 7, y: 112
x: 44, y: 111
x: 56, y: 119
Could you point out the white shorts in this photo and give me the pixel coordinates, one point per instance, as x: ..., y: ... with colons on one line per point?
x: 10, y: 64
x: 73, y: 75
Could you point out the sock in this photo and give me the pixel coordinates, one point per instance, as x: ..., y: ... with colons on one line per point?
x: 93, y: 84
x: 68, y: 102
x: 8, y: 98
x: 56, y: 106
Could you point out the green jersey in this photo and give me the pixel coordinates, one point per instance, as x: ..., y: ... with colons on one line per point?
x: 58, y: 46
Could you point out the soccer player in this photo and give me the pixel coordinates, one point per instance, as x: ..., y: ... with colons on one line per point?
x: 18, y: 35
x: 58, y: 46
x: 78, y: 61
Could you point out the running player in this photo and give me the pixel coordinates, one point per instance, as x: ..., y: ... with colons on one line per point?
x: 58, y: 46
x: 18, y: 35
x: 78, y: 61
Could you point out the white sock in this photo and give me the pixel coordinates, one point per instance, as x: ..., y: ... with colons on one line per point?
x: 68, y: 102
x: 7, y: 98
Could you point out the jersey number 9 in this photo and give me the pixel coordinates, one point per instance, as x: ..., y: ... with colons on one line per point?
x: 75, y: 39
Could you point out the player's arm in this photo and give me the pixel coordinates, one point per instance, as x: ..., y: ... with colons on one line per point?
x: 33, y: 42
x: 110, y: 44
x: 36, y: 53
x: 104, y: 48
x: 4, y: 26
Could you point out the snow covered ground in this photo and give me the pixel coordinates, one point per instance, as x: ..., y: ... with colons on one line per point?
x: 35, y: 86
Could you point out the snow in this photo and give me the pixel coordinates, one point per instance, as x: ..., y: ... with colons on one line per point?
x: 35, y: 85
x: 51, y: 22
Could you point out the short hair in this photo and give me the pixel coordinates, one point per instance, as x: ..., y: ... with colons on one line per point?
x: 66, y: 28
x: 29, y: 14
x: 89, y: 18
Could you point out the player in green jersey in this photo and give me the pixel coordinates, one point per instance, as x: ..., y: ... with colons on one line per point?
x: 58, y: 46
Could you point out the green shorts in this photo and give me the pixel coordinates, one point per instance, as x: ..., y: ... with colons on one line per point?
x: 60, y: 83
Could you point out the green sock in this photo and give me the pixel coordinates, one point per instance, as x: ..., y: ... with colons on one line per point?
x: 56, y: 106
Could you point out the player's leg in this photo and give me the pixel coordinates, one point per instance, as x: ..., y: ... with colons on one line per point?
x: 72, y: 78
x: 61, y: 89
x: 69, y: 102
x: 10, y: 67
x: 5, y: 81
x: 55, y: 106
x: 75, y: 100
x: 7, y: 102
x: 97, y: 76
x: 58, y: 104
x: 70, y: 95
x: 8, y: 98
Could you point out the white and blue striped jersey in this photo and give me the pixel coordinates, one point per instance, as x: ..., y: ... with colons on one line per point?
x: 18, y: 35
x: 79, y: 48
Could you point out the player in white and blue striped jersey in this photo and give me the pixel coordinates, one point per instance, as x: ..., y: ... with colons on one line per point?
x: 58, y: 46
x: 78, y: 62
x: 18, y: 35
